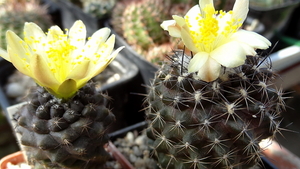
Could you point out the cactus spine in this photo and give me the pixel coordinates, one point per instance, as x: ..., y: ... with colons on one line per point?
x: 218, y: 124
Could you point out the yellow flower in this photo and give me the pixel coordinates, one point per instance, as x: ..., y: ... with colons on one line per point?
x: 215, y: 37
x: 60, y: 62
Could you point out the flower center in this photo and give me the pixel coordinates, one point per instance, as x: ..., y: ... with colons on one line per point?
x: 212, y: 28
x: 59, y: 53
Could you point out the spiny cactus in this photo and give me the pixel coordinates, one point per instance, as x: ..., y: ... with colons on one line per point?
x: 218, y: 124
x: 139, y: 23
x: 14, y: 13
x: 67, y: 134
x: 64, y: 123
x: 98, y: 8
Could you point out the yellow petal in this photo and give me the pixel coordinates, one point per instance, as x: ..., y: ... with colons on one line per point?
x: 77, y: 34
x: 79, y: 71
x: 197, y: 62
x: 188, y: 41
x: 107, y: 48
x: 100, y: 66
x: 240, y: 10
x: 55, y: 34
x: 172, y: 28
x: 41, y: 72
x: 4, y: 54
x: 205, y: 3
x: 193, y: 16
x: 230, y: 54
x: 67, y: 89
x: 165, y: 25
x: 179, y: 20
x: 18, y: 52
x: 248, y: 49
x: 35, y: 37
x: 252, y: 39
x: 210, y: 71
x: 100, y: 35
x: 223, y: 22
x: 93, y: 44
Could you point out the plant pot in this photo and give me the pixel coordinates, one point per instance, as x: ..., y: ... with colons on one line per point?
x: 64, y: 13
x: 6, y: 145
x: 18, y: 158
x: 126, y: 105
x: 272, y: 18
x: 146, y: 68
x: 280, y: 157
x: 14, y: 158
x: 268, y: 155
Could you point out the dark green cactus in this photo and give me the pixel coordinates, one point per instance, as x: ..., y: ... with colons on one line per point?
x: 214, y: 125
x: 68, y: 134
x: 15, y: 13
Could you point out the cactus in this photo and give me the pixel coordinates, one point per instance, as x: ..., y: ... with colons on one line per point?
x: 67, y: 134
x: 218, y: 124
x: 64, y: 122
x: 139, y: 23
x: 98, y: 8
x: 14, y: 13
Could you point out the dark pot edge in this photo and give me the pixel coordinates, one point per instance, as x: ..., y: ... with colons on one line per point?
x: 146, y: 68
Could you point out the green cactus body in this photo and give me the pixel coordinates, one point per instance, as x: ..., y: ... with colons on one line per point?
x: 139, y: 23
x: 219, y: 124
x: 98, y: 8
x: 14, y: 14
x: 70, y: 134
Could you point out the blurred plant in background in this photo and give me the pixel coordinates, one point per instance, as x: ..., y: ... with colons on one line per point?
x: 138, y: 22
x: 14, y: 13
x: 97, y: 8
x: 267, y: 3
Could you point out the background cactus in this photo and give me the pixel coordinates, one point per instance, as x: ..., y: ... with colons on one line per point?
x: 218, y: 124
x: 138, y: 21
x: 98, y: 9
x: 65, y: 134
x: 14, y: 13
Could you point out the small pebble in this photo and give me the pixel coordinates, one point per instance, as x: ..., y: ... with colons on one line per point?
x: 15, y: 89
x: 129, y: 137
x: 140, y: 140
x: 18, y: 166
x: 137, y: 151
x: 132, y: 158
